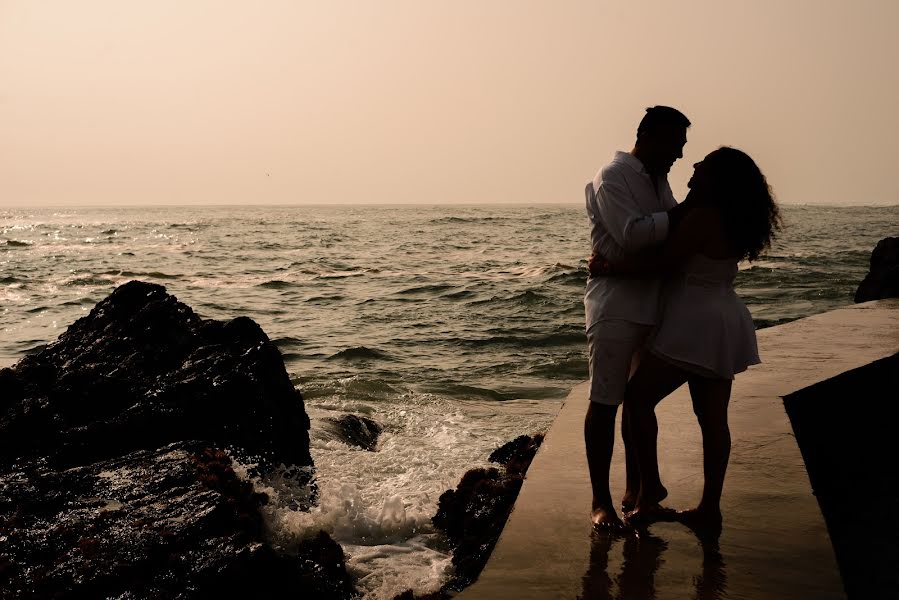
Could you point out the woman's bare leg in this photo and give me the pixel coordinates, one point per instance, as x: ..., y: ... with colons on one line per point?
x: 710, y: 400
x: 654, y: 380
x: 631, y: 466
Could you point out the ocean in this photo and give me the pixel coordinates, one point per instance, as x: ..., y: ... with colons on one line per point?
x: 456, y: 327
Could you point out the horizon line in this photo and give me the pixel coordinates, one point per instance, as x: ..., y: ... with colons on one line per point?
x: 374, y: 204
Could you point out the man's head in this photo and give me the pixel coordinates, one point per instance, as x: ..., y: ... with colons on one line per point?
x: 660, y: 138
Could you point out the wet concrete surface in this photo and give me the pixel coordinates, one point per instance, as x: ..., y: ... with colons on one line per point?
x: 774, y: 542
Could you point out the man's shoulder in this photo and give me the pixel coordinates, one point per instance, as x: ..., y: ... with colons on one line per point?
x: 616, y: 170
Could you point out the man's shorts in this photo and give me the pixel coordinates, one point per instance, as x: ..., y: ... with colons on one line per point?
x: 613, y: 344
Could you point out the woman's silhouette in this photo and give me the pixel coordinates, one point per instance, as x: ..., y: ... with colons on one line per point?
x: 705, y: 335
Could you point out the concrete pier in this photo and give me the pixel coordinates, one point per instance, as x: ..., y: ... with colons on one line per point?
x: 774, y: 544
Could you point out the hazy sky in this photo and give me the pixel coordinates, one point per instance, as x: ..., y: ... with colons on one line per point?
x: 324, y: 101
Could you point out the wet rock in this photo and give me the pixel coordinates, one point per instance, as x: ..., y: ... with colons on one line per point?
x: 323, y: 572
x: 473, y: 515
x: 356, y: 431
x: 882, y: 280
x: 116, y: 478
x: 174, y: 522
x: 141, y: 371
x: 517, y: 455
x: 410, y: 595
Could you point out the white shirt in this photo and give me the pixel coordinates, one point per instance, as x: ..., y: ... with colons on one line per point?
x: 626, y: 214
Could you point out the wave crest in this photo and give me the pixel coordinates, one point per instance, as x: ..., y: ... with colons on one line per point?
x: 360, y: 353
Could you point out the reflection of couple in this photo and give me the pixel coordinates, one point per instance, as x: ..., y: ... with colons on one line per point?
x: 661, y: 309
x: 642, y: 556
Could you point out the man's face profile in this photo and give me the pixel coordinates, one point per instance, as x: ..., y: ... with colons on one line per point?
x: 664, y: 149
x: 671, y: 149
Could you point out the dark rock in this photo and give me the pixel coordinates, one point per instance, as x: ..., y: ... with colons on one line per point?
x: 356, y: 431
x: 323, y: 574
x: 473, y: 515
x: 142, y: 371
x: 175, y: 522
x: 410, y: 595
x: 114, y: 480
x: 882, y: 280
x: 517, y: 455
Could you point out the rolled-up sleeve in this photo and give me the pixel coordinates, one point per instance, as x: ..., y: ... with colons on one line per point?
x: 629, y: 228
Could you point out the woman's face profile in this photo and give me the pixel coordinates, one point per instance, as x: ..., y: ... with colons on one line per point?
x: 700, y: 176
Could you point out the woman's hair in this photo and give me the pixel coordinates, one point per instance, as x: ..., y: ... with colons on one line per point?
x: 744, y: 197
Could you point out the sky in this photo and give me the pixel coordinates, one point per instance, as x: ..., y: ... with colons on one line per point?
x: 431, y: 101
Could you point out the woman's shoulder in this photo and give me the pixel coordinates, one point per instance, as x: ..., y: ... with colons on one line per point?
x: 706, y: 212
x: 706, y: 222
x: 703, y: 219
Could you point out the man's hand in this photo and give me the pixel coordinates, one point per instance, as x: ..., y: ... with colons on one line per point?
x: 677, y: 213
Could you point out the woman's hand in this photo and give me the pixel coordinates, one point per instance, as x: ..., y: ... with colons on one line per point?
x: 599, y: 266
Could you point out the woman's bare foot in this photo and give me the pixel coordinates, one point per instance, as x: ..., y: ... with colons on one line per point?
x: 705, y: 523
x: 629, y: 501
x: 648, y: 510
x: 650, y: 496
x: 647, y: 514
x: 605, y: 518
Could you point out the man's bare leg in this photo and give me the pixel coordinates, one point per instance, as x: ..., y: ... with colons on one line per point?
x: 599, y: 439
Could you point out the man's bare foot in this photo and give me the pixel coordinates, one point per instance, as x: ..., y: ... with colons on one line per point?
x: 606, y: 519
x: 706, y: 524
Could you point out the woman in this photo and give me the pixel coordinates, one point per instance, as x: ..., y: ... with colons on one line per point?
x: 706, y: 334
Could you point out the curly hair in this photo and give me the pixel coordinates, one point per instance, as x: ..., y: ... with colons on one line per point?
x: 750, y: 215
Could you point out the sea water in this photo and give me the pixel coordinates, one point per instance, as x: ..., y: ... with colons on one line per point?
x: 457, y: 328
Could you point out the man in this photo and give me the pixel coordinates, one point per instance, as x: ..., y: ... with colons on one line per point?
x: 631, y: 207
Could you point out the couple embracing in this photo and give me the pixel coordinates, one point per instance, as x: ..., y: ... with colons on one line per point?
x: 661, y: 309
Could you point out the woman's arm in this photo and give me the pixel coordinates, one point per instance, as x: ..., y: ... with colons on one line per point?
x: 687, y: 239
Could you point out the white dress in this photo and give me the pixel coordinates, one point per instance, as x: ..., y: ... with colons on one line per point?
x: 705, y: 328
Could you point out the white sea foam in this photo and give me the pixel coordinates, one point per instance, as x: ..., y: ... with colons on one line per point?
x: 378, y: 505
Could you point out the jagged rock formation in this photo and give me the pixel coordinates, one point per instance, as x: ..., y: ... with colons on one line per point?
x: 516, y: 456
x: 356, y: 431
x: 882, y: 280
x: 114, y: 476
x: 141, y: 371
x: 473, y: 515
x: 174, y: 522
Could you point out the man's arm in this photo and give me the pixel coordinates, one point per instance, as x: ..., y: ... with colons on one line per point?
x: 630, y: 228
x: 689, y: 238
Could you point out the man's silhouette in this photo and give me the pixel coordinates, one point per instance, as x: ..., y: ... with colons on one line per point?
x: 631, y: 207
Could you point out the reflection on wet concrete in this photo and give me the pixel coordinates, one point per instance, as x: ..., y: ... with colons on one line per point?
x: 638, y: 557
x: 711, y: 583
